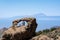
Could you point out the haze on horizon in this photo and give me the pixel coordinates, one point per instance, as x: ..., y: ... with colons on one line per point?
x: 11, y: 8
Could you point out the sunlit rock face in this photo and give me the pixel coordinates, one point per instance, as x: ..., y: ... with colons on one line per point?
x: 42, y: 37
x: 21, y: 32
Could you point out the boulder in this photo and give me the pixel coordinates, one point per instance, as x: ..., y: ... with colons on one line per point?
x: 21, y: 32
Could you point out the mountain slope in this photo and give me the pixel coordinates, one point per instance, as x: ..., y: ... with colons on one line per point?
x: 48, y: 34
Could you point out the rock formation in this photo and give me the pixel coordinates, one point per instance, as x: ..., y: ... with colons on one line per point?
x: 21, y: 32
x: 27, y: 32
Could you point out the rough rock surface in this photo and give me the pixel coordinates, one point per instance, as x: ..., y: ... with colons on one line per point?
x: 52, y: 35
x: 21, y: 33
x: 27, y: 32
x: 41, y: 37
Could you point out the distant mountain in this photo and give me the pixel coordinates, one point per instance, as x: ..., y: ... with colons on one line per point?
x: 43, y: 21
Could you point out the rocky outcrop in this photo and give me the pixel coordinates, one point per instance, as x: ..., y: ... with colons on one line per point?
x: 21, y: 32
x: 27, y: 32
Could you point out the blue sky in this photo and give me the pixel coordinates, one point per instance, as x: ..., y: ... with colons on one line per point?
x: 10, y: 8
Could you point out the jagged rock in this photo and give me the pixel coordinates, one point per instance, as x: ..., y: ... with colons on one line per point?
x: 22, y: 32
